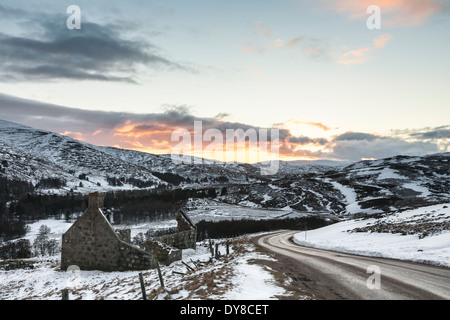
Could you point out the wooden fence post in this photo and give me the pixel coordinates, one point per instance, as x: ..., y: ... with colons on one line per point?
x: 141, y: 280
x: 161, y: 280
x: 65, y: 294
x: 211, y: 249
x: 217, y: 253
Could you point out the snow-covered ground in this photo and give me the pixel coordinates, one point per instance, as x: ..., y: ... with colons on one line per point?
x: 350, y: 197
x: 229, y: 278
x: 421, y: 235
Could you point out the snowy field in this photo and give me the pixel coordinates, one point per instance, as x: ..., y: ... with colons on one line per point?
x: 203, y: 209
x: 231, y: 277
x: 421, y: 235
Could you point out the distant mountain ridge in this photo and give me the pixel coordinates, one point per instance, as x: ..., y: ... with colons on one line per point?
x: 369, y: 186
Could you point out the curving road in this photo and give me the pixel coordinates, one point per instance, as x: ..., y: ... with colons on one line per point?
x: 324, y: 274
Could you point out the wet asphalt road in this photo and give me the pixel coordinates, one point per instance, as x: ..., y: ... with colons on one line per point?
x: 325, y: 274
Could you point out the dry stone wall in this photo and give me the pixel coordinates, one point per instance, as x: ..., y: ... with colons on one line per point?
x: 180, y: 240
x: 162, y: 252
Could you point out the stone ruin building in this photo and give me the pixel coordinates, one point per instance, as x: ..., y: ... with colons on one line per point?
x: 91, y: 243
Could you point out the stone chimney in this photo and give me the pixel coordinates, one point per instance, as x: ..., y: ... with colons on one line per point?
x: 95, y: 200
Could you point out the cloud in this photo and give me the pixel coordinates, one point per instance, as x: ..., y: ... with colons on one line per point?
x: 355, y: 150
x: 424, y: 133
x: 250, y: 48
x: 381, y: 41
x: 351, y: 136
x: 114, y: 128
x: 152, y: 132
x: 437, y: 134
x: 222, y: 115
x: 262, y: 29
x: 355, y: 146
x: 7, y: 12
x: 314, y: 48
x: 278, y: 43
x: 96, y: 52
x: 307, y: 140
x: 294, y: 122
x: 362, y: 54
x: 317, y: 49
x: 75, y: 135
x: 394, y: 13
x: 432, y: 133
x: 296, y: 41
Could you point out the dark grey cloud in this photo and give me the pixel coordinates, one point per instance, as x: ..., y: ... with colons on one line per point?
x: 348, y: 136
x: 354, y: 146
x: 56, y: 118
x: 307, y: 140
x: 355, y: 150
x: 436, y: 133
x: 6, y: 12
x: 60, y: 119
x: 222, y: 115
x: 109, y: 128
x: 96, y: 52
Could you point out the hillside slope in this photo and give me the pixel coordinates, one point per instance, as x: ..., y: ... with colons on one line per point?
x: 336, y: 187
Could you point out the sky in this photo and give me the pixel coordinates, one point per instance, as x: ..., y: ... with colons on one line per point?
x: 138, y: 70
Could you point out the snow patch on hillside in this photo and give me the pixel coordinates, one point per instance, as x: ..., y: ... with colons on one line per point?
x: 421, y: 235
x: 350, y: 196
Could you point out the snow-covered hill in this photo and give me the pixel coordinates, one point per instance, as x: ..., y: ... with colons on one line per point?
x: 361, y: 188
x: 322, y: 186
x: 31, y: 154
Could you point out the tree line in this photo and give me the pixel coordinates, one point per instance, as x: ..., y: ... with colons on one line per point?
x: 122, y: 206
x: 23, y: 248
x: 235, y: 228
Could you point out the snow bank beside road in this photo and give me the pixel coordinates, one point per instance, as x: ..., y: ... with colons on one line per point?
x: 420, y: 235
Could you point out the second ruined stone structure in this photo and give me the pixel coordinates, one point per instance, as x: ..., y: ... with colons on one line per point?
x: 185, y: 236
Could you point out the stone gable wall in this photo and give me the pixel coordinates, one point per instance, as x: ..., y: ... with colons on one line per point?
x: 92, y: 244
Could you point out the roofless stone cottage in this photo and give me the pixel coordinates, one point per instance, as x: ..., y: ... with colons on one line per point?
x: 91, y: 243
